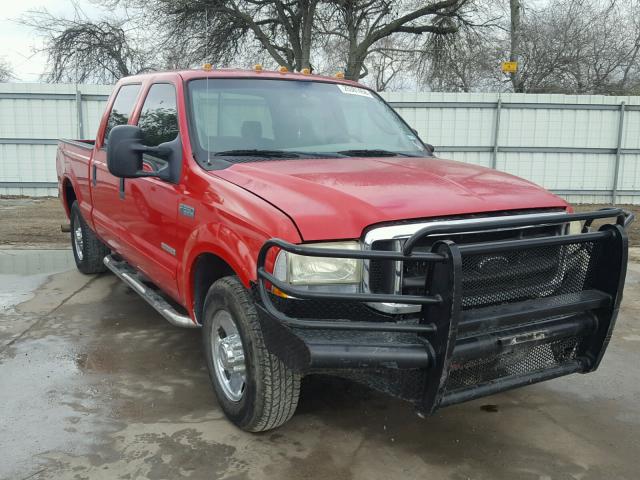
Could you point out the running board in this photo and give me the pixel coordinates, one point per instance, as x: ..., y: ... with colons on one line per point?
x: 129, y: 275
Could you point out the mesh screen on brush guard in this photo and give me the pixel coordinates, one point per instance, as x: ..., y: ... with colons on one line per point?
x: 518, y: 361
x: 514, y: 276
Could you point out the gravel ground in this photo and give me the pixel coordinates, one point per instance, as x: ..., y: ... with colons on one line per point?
x: 26, y: 222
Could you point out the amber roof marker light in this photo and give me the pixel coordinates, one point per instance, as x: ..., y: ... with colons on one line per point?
x: 305, y: 71
x: 283, y: 69
x: 257, y: 68
x: 339, y: 75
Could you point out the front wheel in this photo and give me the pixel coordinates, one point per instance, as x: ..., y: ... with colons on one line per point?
x: 256, y: 391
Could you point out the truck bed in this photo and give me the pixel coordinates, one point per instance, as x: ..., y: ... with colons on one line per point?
x: 85, y: 144
x: 73, y: 162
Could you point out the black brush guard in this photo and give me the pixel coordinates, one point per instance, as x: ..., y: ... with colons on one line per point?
x: 458, y: 350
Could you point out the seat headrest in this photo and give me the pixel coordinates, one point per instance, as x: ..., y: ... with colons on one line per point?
x: 251, y: 129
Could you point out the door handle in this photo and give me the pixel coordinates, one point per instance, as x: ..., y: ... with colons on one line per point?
x: 94, y: 174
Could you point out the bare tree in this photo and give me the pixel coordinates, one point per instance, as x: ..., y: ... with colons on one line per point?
x: 562, y: 46
x: 565, y: 46
x: 581, y: 46
x: 6, y: 71
x: 221, y: 30
x: 84, y: 50
x: 289, y: 31
x: 463, y: 62
x: 362, y: 24
x: 389, y: 64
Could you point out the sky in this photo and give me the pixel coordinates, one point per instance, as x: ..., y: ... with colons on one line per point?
x: 17, y: 43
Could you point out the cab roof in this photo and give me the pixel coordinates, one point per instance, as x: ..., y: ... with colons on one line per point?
x: 187, y: 75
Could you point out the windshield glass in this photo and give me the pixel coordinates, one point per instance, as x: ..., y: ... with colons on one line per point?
x: 236, y: 116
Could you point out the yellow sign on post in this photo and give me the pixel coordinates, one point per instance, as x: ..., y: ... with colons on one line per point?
x: 509, y: 67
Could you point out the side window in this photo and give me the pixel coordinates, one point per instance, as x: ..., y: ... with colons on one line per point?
x: 159, y: 116
x: 122, y: 108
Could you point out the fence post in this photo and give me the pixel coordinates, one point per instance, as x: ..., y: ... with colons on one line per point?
x: 496, y: 134
x: 79, y: 114
x: 616, y: 172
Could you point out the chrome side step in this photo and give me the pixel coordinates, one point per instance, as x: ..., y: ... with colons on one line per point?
x: 130, y: 276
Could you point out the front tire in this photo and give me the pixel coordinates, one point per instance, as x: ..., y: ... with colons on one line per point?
x: 255, y: 390
x: 88, y: 250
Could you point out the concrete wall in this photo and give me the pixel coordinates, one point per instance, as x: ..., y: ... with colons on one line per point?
x: 586, y: 148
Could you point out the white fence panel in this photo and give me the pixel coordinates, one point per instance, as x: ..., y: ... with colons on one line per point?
x: 585, y: 148
x: 32, y: 118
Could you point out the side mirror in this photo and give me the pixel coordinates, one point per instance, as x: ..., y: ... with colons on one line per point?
x: 125, y: 150
x: 430, y: 147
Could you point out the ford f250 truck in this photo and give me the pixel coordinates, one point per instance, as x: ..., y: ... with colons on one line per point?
x: 306, y: 228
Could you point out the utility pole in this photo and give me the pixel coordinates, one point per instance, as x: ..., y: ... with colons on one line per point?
x: 516, y: 12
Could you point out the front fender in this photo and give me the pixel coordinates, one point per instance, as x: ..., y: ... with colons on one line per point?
x: 238, y: 248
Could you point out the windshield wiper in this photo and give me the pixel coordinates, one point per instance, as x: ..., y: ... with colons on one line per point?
x: 257, y: 153
x: 373, y: 153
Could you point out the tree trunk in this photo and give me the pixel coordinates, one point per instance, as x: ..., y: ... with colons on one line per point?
x: 516, y: 11
x: 307, y: 34
x: 354, y: 67
x: 354, y: 56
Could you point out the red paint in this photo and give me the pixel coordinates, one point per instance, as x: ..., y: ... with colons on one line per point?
x: 365, y: 191
x: 239, y: 208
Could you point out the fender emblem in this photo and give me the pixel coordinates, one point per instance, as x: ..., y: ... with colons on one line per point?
x: 186, y: 210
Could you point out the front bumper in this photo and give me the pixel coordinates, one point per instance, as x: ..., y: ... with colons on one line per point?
x: 454, y: 351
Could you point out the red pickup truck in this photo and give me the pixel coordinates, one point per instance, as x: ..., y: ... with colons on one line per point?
x: 307, y: 229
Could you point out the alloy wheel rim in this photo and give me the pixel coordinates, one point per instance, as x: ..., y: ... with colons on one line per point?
x: 78, y: 241
x: 228, y: 355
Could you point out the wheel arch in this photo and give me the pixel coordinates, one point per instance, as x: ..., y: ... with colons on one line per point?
x: 68, y: 195
x: 206, y: 268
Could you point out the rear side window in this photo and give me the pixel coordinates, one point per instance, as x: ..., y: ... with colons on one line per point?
x: 122, y: 108
x: 159, y: 116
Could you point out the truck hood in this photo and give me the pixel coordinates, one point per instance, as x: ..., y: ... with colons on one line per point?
x: 338, y: 198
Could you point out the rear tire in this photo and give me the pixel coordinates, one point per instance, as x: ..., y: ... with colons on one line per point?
x: 269, y: 393
x: 88, y: 250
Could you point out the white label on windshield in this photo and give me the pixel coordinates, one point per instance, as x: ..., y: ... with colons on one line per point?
x: 355, y: 91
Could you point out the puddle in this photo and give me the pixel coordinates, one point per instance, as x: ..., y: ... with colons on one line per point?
x: 47, y: 405
x: 23, y: 271
x: 34, y: 262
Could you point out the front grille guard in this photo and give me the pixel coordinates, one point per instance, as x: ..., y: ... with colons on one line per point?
x: 441, y: 304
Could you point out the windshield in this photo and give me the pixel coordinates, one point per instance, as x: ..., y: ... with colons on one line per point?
x: 245, y: 117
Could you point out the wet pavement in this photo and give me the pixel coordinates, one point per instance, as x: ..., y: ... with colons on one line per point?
x: 94, y: 384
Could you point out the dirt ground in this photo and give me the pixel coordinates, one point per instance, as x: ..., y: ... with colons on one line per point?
x: 26, y: 222
x: 30, y: 222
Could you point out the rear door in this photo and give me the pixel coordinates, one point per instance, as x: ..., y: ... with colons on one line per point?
x: 106, y: 193
x: 150, y: 205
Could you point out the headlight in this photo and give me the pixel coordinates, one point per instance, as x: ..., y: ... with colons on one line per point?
x: 306, y: 270
x: 575, y: 228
